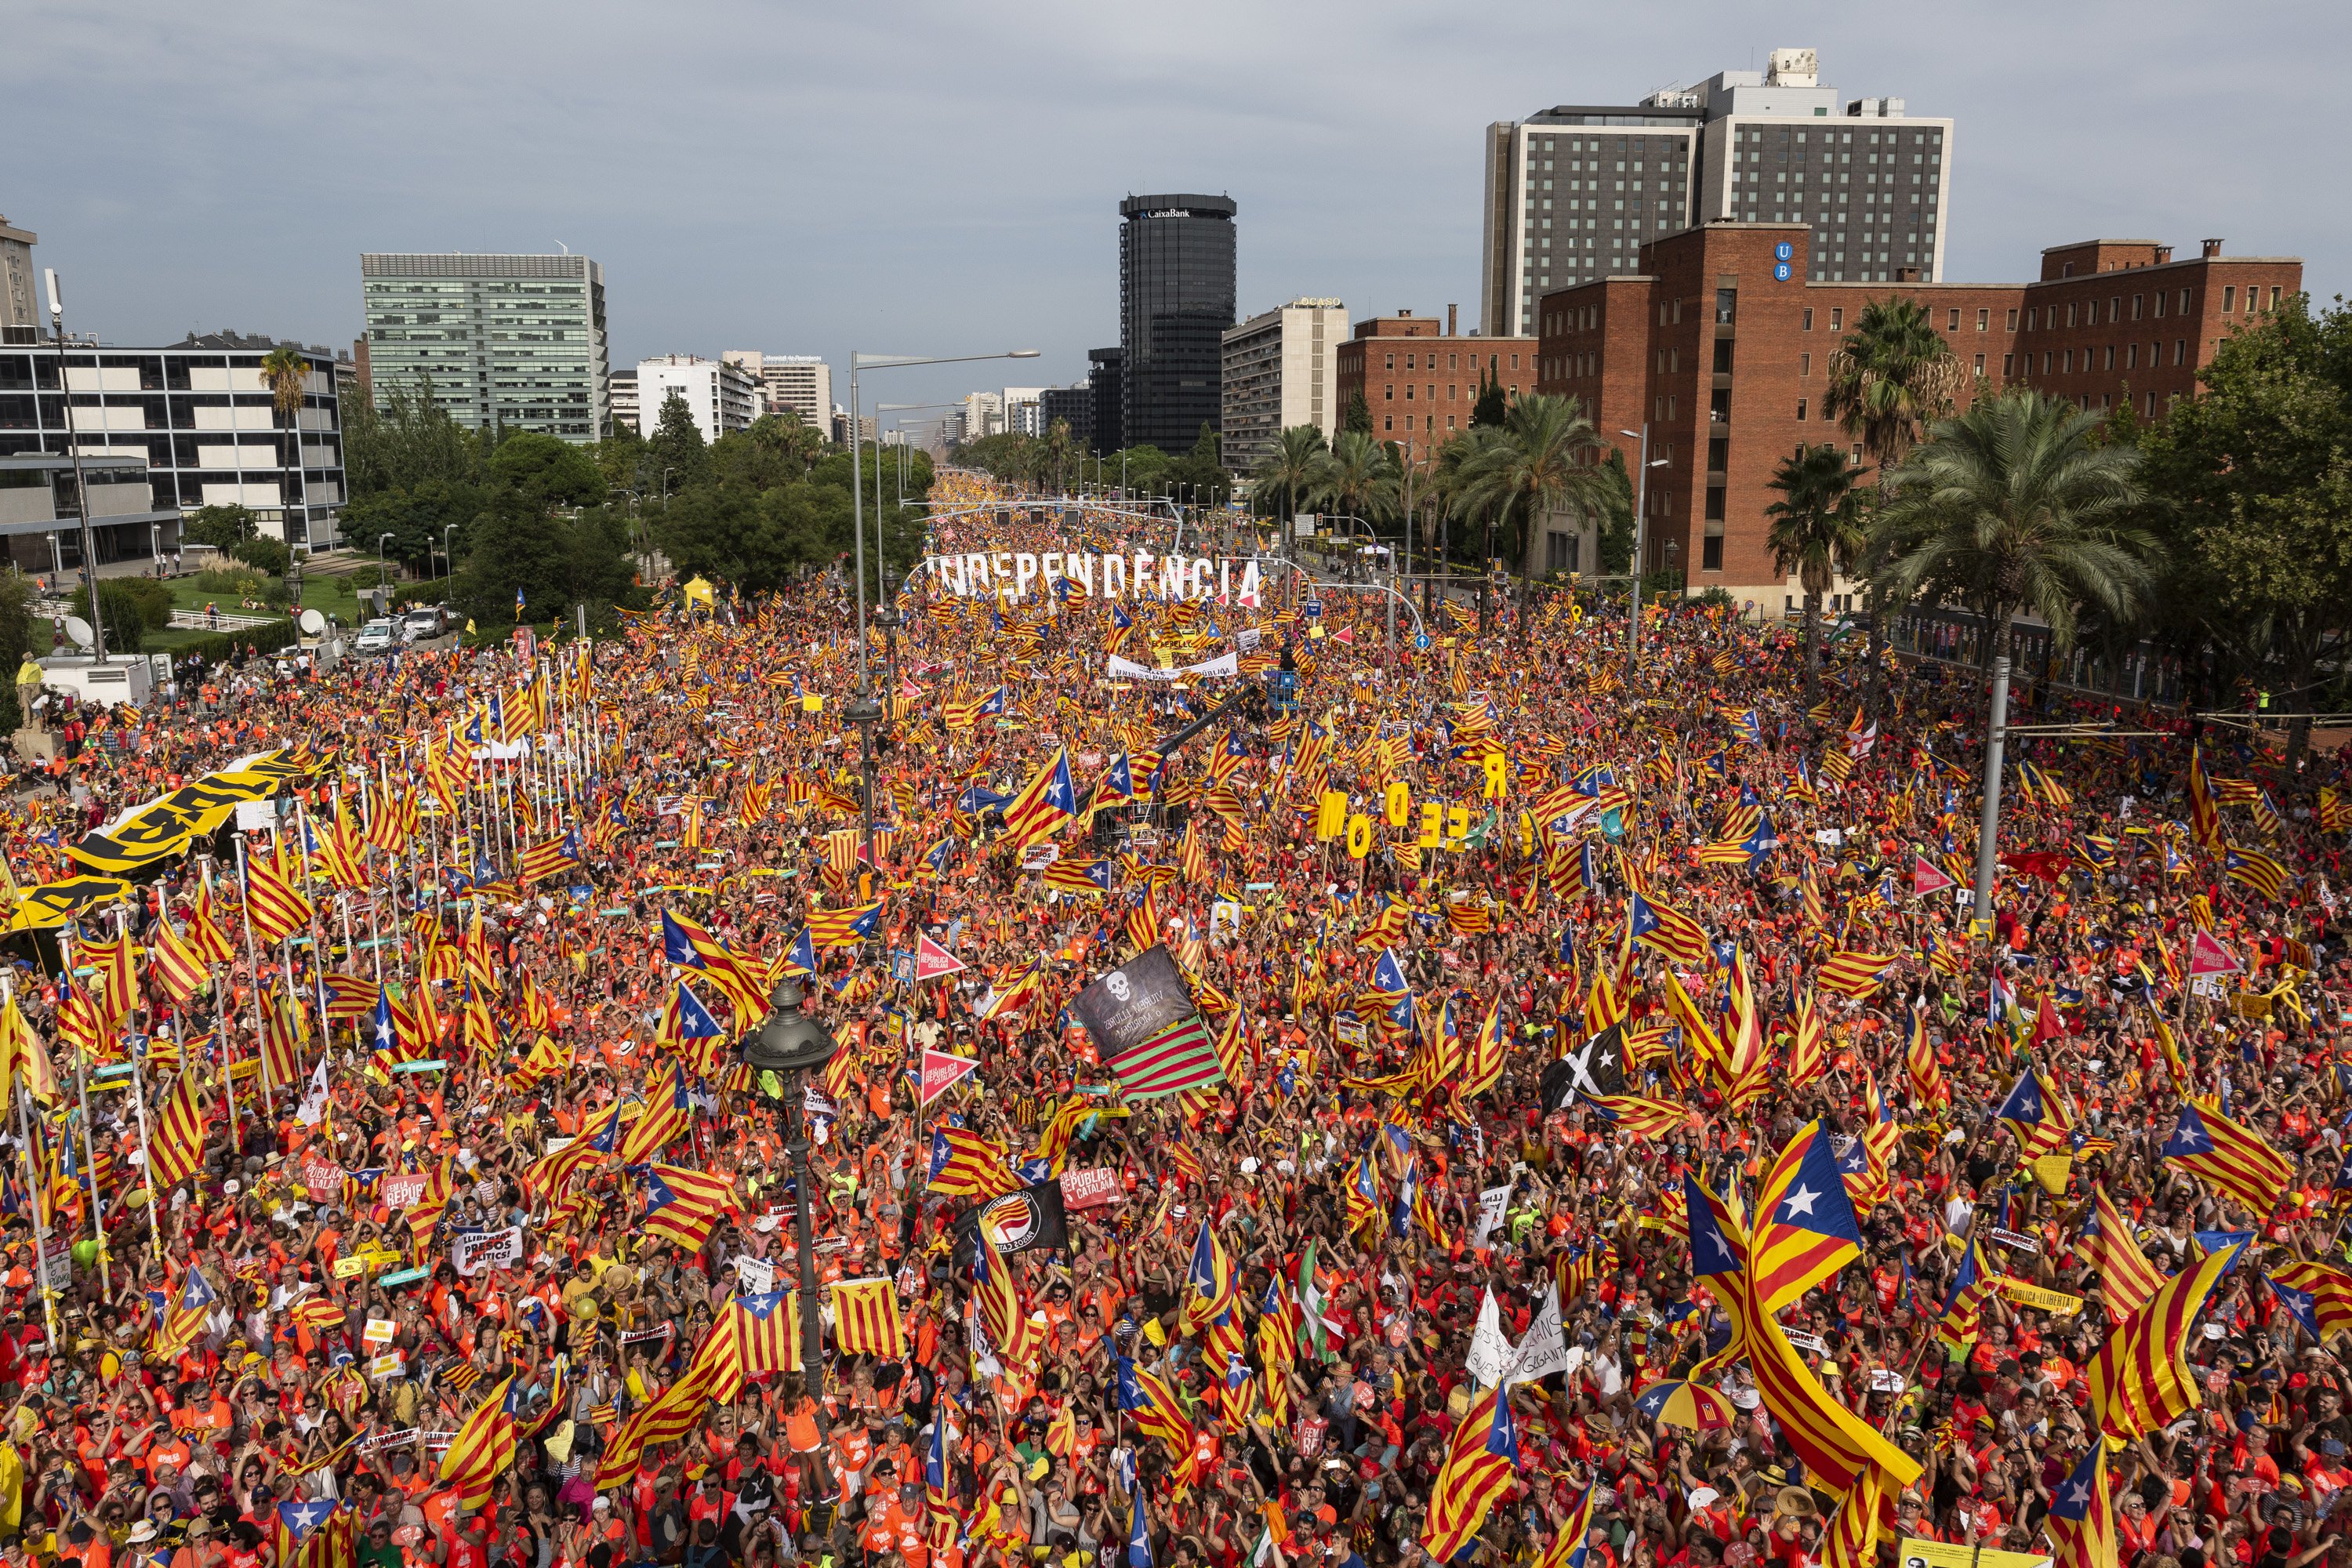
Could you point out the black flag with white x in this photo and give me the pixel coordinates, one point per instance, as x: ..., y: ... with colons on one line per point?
x: 1593, y: 1069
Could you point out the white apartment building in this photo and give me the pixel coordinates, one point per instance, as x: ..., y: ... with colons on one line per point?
x: 984, y: 414
x: 1281, y: 368
x: 1571, y: 193
x: 623, y: 387
x: 796, y: 383
x: 719, y: 396
x: 1025, y: 410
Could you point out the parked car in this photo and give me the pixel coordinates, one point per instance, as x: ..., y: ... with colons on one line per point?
x: 380, y: 636
x: 427, y: 621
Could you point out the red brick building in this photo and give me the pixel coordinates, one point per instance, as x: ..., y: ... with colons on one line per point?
x: 1419, y: 383
x: 1721, y: 347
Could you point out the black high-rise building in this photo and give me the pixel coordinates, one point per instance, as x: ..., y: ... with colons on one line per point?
x: 1175, y: 300
x: 1104, y: 380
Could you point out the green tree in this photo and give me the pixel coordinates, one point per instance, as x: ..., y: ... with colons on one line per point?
x: 676, y: 456
x: 1492, y: 405
x: 420, y: 521
x: 1358, y: 478
x: 16, y: 643
x: 556, y: 561
x: 2252, y: 481
x: 1817, y: 532
x: 218, y: 526
x: 129, y: 614
x: 2013, y: 506
x: 1892, y: 376
x: 547, y: 470
x: 1542, y: 460
x: 271, y: 557
x: 1198, y: 476
x: 404, y: 438
x: 1616, y: 502
x: 1359, y: 416
x: 286, y: 372
x: 1291, y: 470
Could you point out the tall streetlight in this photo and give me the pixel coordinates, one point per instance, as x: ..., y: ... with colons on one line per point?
x: 1641, y: 522
x: 887, y: 617
x: 862, y: 710
x: 381, y: 571
x: 81, y: 485
x: 790, y: 1049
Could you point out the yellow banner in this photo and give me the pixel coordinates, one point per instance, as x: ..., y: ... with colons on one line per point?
x: 169, y: 824
x: 2036, y: 1296
x: 52, y: 904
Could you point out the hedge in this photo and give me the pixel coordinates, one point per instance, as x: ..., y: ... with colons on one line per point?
x: 266, y: 638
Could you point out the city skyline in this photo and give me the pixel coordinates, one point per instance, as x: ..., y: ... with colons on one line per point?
x: 203, y: 200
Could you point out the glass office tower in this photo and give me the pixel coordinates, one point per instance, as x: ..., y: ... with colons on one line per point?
x: 511, y: 341
x: 1175, y: 300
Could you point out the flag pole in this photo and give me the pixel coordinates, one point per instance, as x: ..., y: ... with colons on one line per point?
x: 220, y: 1010
x: 253, y: 961
x: 34, y: 1196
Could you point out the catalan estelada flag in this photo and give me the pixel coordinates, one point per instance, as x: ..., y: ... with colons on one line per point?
x: 2082, y: 1521
x: 1482, y: 1465
x: 866, y: 1318
x: 1044, y: 805
x: 551, y: 859
x: 1210, y: 1280
x: 2234, y: 1159
x: 1003, y: 1317
x: 1146, y: 1399
x: 2140, y: 1378
x: 319, y: 1533
x: 1805, y: 1228
x: 1957, y: 1324
x: 689, y: 945
x: 1854, y: 974
x: 1665, y: 931
x: 683, y: 1205
x: 966, y: 1165
x: 844, y: 928
x: 770, y: 1327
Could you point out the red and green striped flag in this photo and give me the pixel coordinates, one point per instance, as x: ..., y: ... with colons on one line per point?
x: 1181, y: 1057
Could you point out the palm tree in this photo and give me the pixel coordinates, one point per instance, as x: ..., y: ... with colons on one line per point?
x: 1892, y: 377
x: 1541, y: 459
x: 1357, y: 478
x: 1816, y: 533
x: 1292, y: 468
x: 286, y: 371
x: 2016, y: 505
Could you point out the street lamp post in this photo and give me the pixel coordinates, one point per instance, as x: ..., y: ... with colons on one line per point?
x: 789, y: 1050
x: 81, y: 485
x: 1641, y: 523
x: 862, y: 710
x: 381, y: 571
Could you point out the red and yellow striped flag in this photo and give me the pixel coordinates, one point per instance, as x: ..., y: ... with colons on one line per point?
x: 2140, y: 1378
x: 275, y: 906
x: 1482, y: 1465
x: 866, y: 1319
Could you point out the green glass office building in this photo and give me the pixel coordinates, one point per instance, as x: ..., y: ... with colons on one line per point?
x: 507, y: 342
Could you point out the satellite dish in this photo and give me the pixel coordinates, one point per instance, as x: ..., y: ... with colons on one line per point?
x: 313, y: 623
x: 77, y: 632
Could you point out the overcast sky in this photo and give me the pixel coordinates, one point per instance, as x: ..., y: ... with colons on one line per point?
x: 945, y: 178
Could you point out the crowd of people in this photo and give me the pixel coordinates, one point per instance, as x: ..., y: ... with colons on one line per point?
x: 446, y: 1216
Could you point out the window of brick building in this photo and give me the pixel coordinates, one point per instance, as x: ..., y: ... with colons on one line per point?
x: 1800, y: 408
